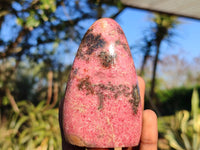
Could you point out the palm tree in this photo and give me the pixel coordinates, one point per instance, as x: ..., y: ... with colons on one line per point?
x: 162, y: 30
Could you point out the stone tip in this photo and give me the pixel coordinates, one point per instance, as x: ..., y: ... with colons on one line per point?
x: 107, y: 25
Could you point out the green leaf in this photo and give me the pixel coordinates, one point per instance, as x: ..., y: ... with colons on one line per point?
x: 20, y: 21
x: 25, y: 139
x: 5, y: 101
x: 48, y: 5
x: 119, y: 5
x: 195, y: 109
x: 195, y: 142
x: 186, y: 141
x: 20, y: 122
x: 172, y: 141
x: 40, y: 105
x: 184, y: 120
x: 31, y: 21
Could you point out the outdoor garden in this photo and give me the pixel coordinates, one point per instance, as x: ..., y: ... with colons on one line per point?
x: 38, y: 43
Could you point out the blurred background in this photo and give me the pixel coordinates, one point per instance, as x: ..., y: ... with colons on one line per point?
x: 38, y: 43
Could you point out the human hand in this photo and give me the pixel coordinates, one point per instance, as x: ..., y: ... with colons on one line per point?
x: 149, y: 136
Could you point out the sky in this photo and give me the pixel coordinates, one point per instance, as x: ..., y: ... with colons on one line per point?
x: 186, y: 41
x: 134, y: 21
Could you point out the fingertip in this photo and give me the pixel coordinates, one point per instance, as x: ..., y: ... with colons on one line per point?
x: 149, y: 137
x: 141, y: 81
x: 150, y: 116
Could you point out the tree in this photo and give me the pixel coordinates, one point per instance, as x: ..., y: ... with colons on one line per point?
x: 146, y: 50
x: 38, y: 33
x: 162, y: 30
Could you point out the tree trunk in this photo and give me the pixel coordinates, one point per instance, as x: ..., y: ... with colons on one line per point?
x: 55, y: 95
x: 12, y: 100
x: 143, y: 65
x: 155, y: 64
x: 49, y: 90
x: 148, y: 48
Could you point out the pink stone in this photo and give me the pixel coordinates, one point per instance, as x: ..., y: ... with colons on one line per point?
x: 102, y: 105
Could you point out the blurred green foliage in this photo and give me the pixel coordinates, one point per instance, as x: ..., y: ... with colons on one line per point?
x: 172, y: 100
x: 33, y: 20
x: 34, y: 127
x: 182, y: 130
x: 39, y: 37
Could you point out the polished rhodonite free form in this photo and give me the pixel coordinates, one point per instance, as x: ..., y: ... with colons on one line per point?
x: 102, y: 105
